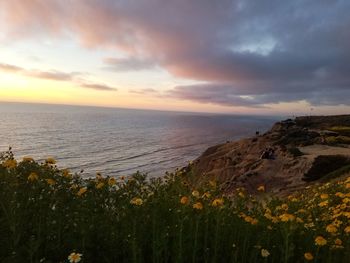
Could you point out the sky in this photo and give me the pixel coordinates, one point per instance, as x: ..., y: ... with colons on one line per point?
x: 229, y: 56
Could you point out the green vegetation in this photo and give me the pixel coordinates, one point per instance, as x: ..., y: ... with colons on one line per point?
x: 343, y: 130
x: 337, y: 140
x: 295, y: 152
x: 46, y: 214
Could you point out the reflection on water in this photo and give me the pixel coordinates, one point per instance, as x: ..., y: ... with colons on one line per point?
x: 117, y: 141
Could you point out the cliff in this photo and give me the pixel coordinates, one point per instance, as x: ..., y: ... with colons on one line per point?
x: 290, y: 156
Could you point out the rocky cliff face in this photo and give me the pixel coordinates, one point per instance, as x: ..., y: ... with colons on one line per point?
x: 286, y: 158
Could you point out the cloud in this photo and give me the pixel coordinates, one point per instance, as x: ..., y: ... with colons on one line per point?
x: 248, y: 52
x: 56, y: 76
x: 52, y: 75
x: 129, y: 64
x: 145, y: 91
x: 98, y: 87
x: 9, y: 68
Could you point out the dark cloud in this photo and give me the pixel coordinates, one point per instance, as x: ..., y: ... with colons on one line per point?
x: 248, y: 52
x: 129, y: 64
x: 102, y: 87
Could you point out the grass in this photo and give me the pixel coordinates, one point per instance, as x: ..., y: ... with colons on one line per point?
x: 332, y: 140
x: 47, y: 213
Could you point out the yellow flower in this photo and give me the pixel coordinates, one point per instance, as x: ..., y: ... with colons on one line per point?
x: 248, y: 219
x: 184, y: 200
x: 338, y: 242
x: 111, y: 181
x: 347, y: 186
x: 320, y: 241
x: 33, y: 177
x: 50, y: 181
x: 261, y: 188
x: 66, y: 174
x: 9, y: 164
x: 136, y: 201
x: 324, y: 196
x: 100, y: 185
x: 265, y: 253
x: 331, y: 229
x: 74, y: 257
x: 254, y: 221
x: 347, y: 229
x: 339, y: 194
x: 241, y: 194
x: 287, y: 217
x: 28, y: 159
x: 308, y: 256
x: 195, y: 193
x: 198, y: 206
x: 82, y: 191
x: 206, y: 195
x: 284, y: 206
x: 324, y: 203
x: 346, y: 200
x: 50, y: 160
x: 218, y: 202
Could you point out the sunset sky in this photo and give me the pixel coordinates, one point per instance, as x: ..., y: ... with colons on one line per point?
x: 251, y: 57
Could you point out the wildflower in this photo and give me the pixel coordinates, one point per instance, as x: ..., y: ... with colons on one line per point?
x: 218, y: 202
x: 347, y: 186
x: 338, y: 242
x: 265, y: 253
x: 74, y: 257
x: 324, y: 196
x: 320, y: 241
x: 261, y: 188
x: 299, y: 220
x: 50, y: 160
x: 66, y: 174
x: 346, y: 200
x: 100, y: 185
x: 241, y: 194
x: 195, y: 193
x: 50, y: 181
x: 136, y: 201
x: 198, y: 206
x: 10, y: 164
x: 284, y: 206
x: 82, y: 191
x: 324, y: 203
x: 331, y: 228
x: 28, y: 159
x: 254, y: 221
x: 111, y: 181
x: 206, y: 195
x: 184, y: 200
x: 248, y: 219
x: 308, y: 256
x: 287, y: 217
x: 33, y: 177
x: 347, y: 229
x: 339, y: 194
x: 212, y: 183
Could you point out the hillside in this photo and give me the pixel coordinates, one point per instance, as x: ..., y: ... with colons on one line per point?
x: 288, y: 157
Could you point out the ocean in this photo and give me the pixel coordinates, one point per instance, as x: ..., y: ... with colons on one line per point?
x: 117, y: 142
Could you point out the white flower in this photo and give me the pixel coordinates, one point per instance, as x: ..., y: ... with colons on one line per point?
x: 74, y: 257
x: 265, y: 253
